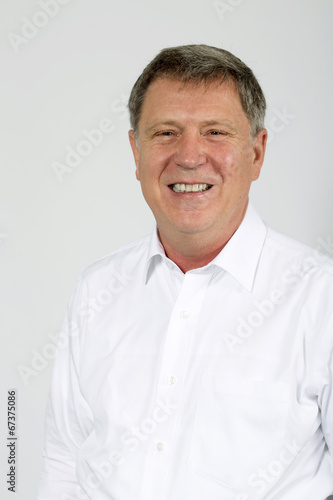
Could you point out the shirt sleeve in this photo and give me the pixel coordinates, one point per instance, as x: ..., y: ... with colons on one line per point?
x: 69, y: 420
x: 326, y: 393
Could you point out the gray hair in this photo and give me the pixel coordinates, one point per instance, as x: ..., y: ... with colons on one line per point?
x: 197, y: 64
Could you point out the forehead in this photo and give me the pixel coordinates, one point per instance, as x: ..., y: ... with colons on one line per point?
x: 170, y: 96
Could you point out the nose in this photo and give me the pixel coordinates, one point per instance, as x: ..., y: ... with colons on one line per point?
x: 190, y: 151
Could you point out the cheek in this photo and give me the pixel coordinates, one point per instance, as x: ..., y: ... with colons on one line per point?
x: 152, y: 164
x: 233, y: 163
x: 227, y: 163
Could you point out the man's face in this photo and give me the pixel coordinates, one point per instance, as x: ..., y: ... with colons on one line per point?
x: 194, y: 157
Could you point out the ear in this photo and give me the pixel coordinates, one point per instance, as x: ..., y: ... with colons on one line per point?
x: 135, y: 150
x: 259, y: 148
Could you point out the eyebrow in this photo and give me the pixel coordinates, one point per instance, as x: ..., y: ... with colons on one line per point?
x: 206, y: 123
x: 223, y: 123
x: 163, y: 123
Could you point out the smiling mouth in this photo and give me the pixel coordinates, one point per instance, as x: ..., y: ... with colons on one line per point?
x: 190, y: 188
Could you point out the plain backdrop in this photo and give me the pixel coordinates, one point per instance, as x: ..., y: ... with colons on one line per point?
x: 71, y: 71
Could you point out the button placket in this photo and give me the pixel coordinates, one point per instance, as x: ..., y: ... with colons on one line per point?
x: 174, y: 363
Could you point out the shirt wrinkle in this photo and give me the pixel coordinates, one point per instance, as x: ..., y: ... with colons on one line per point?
x: 216, y: 383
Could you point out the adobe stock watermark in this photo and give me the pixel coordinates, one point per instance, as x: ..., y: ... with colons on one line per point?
x: 264, y: 477
x: 278, y: 122
x: 131, y: 440
x: 92, y: 138
x: 31, y: 27
x: 262, y: 309
x: 223, y: 8
x: 95, y: 305
x: 41, y: 358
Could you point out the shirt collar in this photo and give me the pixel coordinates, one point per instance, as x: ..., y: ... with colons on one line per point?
x: 239, y: 257
x: 155, y: 252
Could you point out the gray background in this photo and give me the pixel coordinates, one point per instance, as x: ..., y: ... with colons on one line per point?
x: 77, y: 70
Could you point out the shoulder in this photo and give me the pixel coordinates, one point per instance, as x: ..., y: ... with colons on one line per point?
x: 125, y: 261
x: 286, y: 252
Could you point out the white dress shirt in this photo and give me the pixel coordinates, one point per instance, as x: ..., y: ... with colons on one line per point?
x: 210, y: 385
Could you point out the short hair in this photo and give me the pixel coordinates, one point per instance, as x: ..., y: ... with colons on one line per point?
x: 197, y: 64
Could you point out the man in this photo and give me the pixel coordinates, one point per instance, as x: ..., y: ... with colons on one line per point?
x: 197, y: 362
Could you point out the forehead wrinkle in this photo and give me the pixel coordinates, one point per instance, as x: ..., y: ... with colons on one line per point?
x: 195, y: 111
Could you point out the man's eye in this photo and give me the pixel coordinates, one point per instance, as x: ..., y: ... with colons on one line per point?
x: 217, y: 132
x: 165, y: 133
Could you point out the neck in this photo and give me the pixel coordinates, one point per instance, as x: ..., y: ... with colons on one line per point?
x: 194, y: 250
x: 187, y: 260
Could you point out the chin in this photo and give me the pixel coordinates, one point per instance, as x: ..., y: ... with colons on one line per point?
x: 191, y: 228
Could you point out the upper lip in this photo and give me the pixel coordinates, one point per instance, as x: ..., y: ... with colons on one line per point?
x: 190, y: 182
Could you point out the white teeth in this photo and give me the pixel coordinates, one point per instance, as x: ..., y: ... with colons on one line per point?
x: 189, y: 188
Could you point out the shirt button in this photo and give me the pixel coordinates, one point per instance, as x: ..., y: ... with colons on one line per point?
x: 159, y: 446
x: 172, y: 380
x: 184, y: 314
